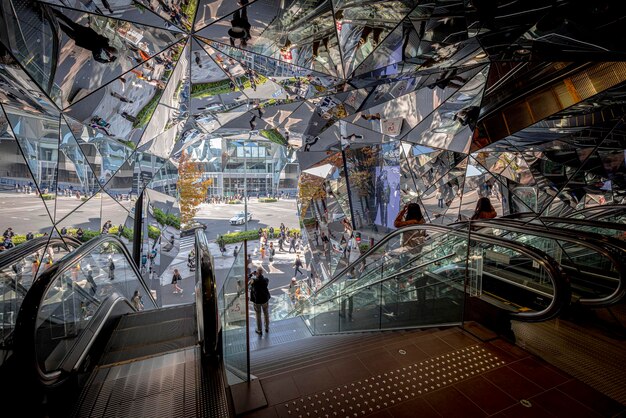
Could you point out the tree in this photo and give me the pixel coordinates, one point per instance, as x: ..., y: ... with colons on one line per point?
x: 191, y: 189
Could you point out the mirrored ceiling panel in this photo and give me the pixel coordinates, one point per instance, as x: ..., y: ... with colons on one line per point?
x: 121, y: 9
x: 86, y: 51
x: 124, y: 107
x: 38, y: 138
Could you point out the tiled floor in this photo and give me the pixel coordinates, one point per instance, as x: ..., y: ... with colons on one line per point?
x: 447, y: 373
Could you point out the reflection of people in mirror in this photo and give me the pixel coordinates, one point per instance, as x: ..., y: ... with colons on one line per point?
x: 484, y: 209
x: 87, y: 38
x: 240, y: 26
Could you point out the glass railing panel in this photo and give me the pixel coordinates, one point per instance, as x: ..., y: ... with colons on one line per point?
x: 508, y: 277
x: 593, y: 275
x: 16, y: 279
x: 438, y: 247
x: 609, y: 229
x: 232, y: 309
x: 384, y: 295
x: 75, y: 295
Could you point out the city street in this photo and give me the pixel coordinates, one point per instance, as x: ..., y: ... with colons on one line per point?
x: 215, y: 217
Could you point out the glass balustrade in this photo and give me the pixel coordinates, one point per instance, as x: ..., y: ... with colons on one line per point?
x: 594, y: 269
x: 232, y: 309
x: 400, y: 286
x: 17, y: 277
x: 76, y: 293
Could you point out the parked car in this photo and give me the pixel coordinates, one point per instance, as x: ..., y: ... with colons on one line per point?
x: 240, y: 218
x: 191, y: 227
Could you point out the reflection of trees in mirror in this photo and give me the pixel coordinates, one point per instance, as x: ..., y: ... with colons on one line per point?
x: 166, y: 219
x: 192, y: 189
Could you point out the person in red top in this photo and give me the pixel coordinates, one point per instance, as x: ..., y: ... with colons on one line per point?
x: 411, y: 214
x: 484, y: 209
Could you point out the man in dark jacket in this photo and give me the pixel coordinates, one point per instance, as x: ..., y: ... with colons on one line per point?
x: 260, y: 296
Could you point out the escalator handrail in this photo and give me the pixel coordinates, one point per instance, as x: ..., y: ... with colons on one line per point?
x: 25, y: 340
x: 25, y: 249
x: 590, y: 240
x: 207, y: 310
x: 604, y: 209
x: 560, y: 281
x: 574, y: 221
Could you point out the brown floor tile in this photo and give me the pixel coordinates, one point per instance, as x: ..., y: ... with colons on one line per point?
x: 380, y: 414
x: 348, y: 370
x: 484, y: 394
x: 449, y: 402
x: 501, y: 354
x: 512, y: 383
x: 411, y: 355
x: 379, y: 361
x: 538, y: 372
x: 262, y: 413
x: 282, y: 411
x: 413, y: 408
x: 458, y: 339
x: 433, y: 346
x: 279, y: 389
x: 596, y: 401
x: 561, y: 405
x: 313, y: 379
x: 520, y: 411
x: 511, y: 349
x: 480, y: 331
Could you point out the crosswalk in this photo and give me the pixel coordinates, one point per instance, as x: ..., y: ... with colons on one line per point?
x: 186, y: 244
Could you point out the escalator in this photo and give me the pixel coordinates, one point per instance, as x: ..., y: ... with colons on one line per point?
x: 393, y: 287
x: 594, y: 262
x: 78, y: 342
x: 19, y: 267
x: 604, y: 213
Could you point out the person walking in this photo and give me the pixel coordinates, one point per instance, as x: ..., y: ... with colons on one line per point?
x: 92, y: 283
x: 298, y: 265
x: 136, y: 301
x: 439, y: 197
x: 292, y: 289
x: 111, y: 268
x: 260, y: 296
x: 176, y: 277
x: 272, y: 252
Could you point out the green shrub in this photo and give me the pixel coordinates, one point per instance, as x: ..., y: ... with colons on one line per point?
x: 173, y: 220
x: 250, y: 235
x: 166, y: 219
x: 267, y: 200
x: 48, y: 196
x: 159, y: 215
x: 89, y: 234
x: 234, y: 237
x: 234, y: 202
x: 146, y: 112
x: 154, y: 232
x: 364, y: 247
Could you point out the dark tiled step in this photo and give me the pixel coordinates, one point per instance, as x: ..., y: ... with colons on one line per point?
x: 306, y: 353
